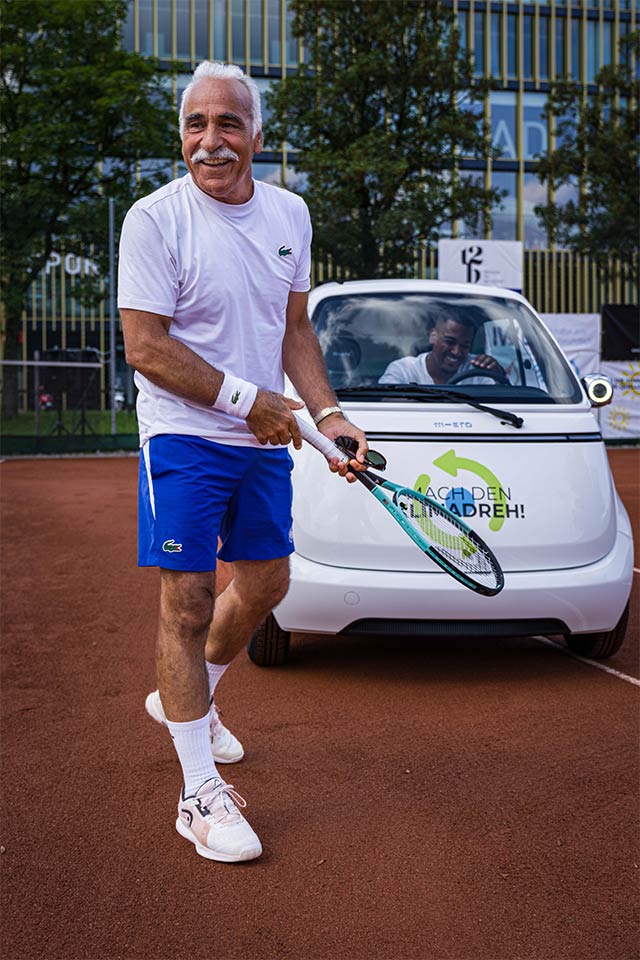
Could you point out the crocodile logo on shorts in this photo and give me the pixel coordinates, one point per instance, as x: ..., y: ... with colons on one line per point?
x: 235, y: 397
x: 285, y: 251
x: 170, y: 546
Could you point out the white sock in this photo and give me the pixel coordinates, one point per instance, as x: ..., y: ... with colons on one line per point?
x: 215, y: 671
x: 191, y: 740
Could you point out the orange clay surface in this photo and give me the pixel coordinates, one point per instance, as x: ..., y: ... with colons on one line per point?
x: 416, y: 800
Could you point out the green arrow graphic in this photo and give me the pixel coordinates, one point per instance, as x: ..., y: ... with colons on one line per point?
x: 422, y: 483
x: 451, y: 463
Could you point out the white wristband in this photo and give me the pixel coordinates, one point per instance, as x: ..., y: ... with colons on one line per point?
x: 236, y: 396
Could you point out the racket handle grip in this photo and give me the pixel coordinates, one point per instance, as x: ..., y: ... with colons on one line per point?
x: 319, y: 441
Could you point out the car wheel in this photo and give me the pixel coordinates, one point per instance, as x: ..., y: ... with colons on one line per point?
x: 598, y: 646
x: 269, y: 646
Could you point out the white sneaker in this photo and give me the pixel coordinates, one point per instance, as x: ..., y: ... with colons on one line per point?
x: 224, y: 746
x: 211, y: 820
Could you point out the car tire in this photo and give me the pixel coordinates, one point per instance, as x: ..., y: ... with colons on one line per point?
x: 269, y: 646
x: 599, y: 646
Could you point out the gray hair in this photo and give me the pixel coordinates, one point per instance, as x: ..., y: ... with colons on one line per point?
x: 225, y: 71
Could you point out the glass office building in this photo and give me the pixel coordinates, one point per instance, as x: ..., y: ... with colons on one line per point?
x: 524, y: 46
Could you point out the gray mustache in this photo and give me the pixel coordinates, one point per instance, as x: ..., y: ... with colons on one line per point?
x: 222, y: 153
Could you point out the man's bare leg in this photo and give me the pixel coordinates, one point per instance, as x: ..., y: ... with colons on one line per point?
x: 186, y: 610
x: 256, y: 588
x: 208, y: 813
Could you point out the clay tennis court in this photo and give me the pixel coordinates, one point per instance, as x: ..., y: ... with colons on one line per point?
x: 416, y: 800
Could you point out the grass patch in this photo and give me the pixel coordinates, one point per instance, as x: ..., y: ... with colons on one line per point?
x: 71, y: 423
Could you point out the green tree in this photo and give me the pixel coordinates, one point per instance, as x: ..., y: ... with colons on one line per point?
x: 78, y: 116
x: 380, y: 115
x: 597, y: 155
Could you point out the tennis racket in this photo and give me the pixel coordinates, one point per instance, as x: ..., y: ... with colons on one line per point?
x: 443, y: 536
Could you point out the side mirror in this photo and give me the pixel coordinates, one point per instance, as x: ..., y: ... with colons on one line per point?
x: 599, y: 389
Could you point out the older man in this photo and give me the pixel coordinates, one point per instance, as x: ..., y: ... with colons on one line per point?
x: 213, y: 281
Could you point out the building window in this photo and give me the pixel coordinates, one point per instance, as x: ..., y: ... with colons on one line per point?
x: 272, y: 173
x: 496, y: 44
x: 294, y: 180
x: 527, y: 47
x: 607, y: 43
x: 164, y: 30
x: 468, y: 230
x: 273, y: 31
x: 237, y: 31
x: 535, y: 137
x: 478, y: 42
x: 128, y: 39
x: 593, y: 50
x: 512, y: 45
x: 475, y: 109
x: 567, y: 193
x: 624, y: 29
x: 534, y: 194
x: 268, y: 172
x: 263, y: 85
x: 202, y: 29
x: 156, y: 167
x: 181, y: 82
x: 504, y: 213
x: 463, y: 31
x: 561, y: 34
x: 543, y: 48
x: 290, y: 40
x: 220, y: 29
x: 183, y: 30
x: 576, y: 49
x: 145, y: 26
x: 503, y: 123
x: 255, y: 31
x: 568, y: 136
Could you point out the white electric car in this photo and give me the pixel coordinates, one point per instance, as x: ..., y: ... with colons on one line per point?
x: 516, y: 453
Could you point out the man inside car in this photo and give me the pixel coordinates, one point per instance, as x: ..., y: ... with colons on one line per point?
x: 449, y: 357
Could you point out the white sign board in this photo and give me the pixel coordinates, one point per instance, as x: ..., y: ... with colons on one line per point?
x: 496, y: 263
x: 621, y: 419
x: 579, y: 336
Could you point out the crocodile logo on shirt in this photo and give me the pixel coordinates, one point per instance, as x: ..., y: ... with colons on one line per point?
x: 285, y: 251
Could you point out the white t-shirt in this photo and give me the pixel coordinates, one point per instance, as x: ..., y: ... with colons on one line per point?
x: 223, y: 272
x: 414, y: 370
x: 408, y: 370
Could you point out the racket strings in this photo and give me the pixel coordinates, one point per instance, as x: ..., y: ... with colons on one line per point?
x: 455, y: 542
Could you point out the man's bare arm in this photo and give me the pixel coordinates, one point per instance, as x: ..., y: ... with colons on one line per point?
x: 166, y: 361
x: 173, y: 366
x: 304, y: 364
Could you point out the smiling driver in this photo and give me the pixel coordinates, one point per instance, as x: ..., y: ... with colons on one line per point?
x: 451, y: 342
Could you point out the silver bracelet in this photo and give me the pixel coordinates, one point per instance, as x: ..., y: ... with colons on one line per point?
x: 326, y: 412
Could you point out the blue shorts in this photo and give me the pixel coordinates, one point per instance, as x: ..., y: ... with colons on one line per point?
x: 192, y: 491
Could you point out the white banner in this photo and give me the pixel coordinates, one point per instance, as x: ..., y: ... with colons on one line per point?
x: 496, y: 263
x: 579, y: 336
x: 621, y: 419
